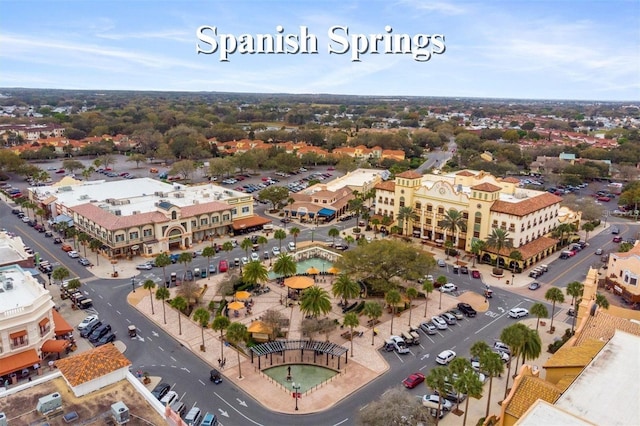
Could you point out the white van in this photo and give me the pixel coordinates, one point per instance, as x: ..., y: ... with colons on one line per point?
x: 193, y: 416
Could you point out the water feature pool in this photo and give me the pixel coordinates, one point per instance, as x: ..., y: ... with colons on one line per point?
x: 308, y: 376
x: 302, y: 266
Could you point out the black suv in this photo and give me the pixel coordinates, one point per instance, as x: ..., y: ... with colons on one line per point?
x: 99, y: 332
x: 467, y: 309
x: 160, y: 390
x: 86, y: 332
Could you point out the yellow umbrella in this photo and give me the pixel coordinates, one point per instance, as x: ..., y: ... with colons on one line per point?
x: 242, y: 295
x: 236, y: 305
x: 333, y: 270
x: 313, y: 271
x: 298, y: 282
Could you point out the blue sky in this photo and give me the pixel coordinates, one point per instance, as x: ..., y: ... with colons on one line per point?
x: 561, y: 49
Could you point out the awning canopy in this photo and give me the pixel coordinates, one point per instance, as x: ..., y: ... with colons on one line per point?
x: 250, y: 222
x: 260, y: 327
x: 19, y: 361
x: 17, y: 334
x: 299, y: 282
x: 63, y: 218
x: 54, y: 345
x: 60, y: 325
x: 326, y: 212
x: 44, y: 321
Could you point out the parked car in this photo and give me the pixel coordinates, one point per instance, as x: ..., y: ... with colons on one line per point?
x: 145, y: 266
x: 99, y: 332
x: 435, y: 401
x: 475, y: 274
x: 84, y: 261
x: 467, y: 309
x: 441, y: 263
x: 107, y: 338
x: 212, y: 269
x: 275, y: 251
x: 57, y: 240
x: 87, y: 322
x: 413, y: 380
x: 90, y: 328
x: 448, y: 288
x: 534, y: 285
x: 399, y: 344
x: 169, y: 398
x: 518, y: 312
x: 73, y: 254
x: 501, y: 347
x: 209, y: 419
x: 439, y: 322
x: 445, y: 357
x: 464, y: 270
x: 428, y: 327
x: 48, y: 234
x: 617, y: 239
x: 456, y: 313
x: 160, y: 390
x: 449, y: 318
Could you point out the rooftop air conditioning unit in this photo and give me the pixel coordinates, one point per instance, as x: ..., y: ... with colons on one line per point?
x: 49, y: 403
x: 120, y: 412
x: 3, y: 419
x: 7, y: 284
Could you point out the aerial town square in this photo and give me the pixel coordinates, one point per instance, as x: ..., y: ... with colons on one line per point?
x: 329, y: 213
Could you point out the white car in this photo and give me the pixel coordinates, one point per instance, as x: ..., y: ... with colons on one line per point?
x: 73, y: 254
x: 501, y: 347
x: 245, y: 260
x: 25, y: 219
x: 441, y: 263
x: 399, y: 344
x: 439, y: 322
x: 145, y: 266
x: 518, y: 312
x: 445, y: 357
x: 448, y: 288
x: 433, y: 401
x: 275, y: 251
x: 255, y: 257
x: 85, y: 322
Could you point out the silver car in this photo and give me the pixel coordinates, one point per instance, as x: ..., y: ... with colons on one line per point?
x: 439, y: 322
x: 428, y: 327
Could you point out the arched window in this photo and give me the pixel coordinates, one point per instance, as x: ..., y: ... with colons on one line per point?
x: 401, y: 201
x: 174, y: 215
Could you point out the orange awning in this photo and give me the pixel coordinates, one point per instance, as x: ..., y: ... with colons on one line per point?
x: 54, y: 345
x: 60, y: 324
x: 19, y: 361
x: 18, y: 334
x: 299, y: 282
x: 250, y: 222
x: 43, y: 322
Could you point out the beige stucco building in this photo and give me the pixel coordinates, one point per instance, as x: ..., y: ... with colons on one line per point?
x: 484, y: 201
x: 623, y: 274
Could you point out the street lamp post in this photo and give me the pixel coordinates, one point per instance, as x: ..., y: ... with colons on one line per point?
x: 513, y: 278
x: 133, y: 284
x: 296, y: 388
x: 312, y: 231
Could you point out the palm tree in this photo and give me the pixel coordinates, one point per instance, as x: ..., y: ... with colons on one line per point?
x: 60, y: 273
x: 588, y: 227
x: 373, y: 310
x: 393, y: 298
x: 412, y: 293
x: 477, y: 247
x: 179, y: 303
x: 150, y: 285
x: 246, y: 245
x: 345, y: 288
x: 356, y: 205
x: 468, y: 383
x: 73, y: 233
x: 405, y: 215
x: 163, y: 260
x: 262, y: 240
x: 83, y: 237
x: 498, y: 240
x: 478, y: 348
x: 95, y: 245
x: 280, y: 235
x: 294, y: 232
x: 221, y: 323
x: 540, y: 311
x: 351, y: 321
x: 492, y: 365
x: 448, y: 247
x: 441, y: 280
x: 285, y: 266
x: 254, y: 273
x: 454, y: 222
x: 554, y: 294
x: 515, y: 257
x: 438, y: 380
x: 315, y: 301
x: 163, y: 294
x: 575, y: 290
x: 333, y: 233
x: 185, y: 258
x: 208, y: 252
x: 375, y: 222
x: 532, y: 346
x: 236, y: 333
x: 427, y: 286
x: 602, y: 301
x: 511, y: 336
x: 457, y: 367
x: 72, y: 286
x: 202, y: 316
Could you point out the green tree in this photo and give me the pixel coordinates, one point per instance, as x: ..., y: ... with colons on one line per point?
x: 280, y: 235
x: 356, y: 206
x: 457, y: 367
x: 602, y: 301
x: 428, y: 288
x: 448, y: 248
x: 333, y: 233
x: 412, y: 294
x: 405, y: 216
x: 372, y: 310
x: 150, y: 285
x: 588, y: 227
x: 554, y: 295
x: 208, y: 252
x: 227, y: 246
x: 468, y: 383
x: 60, y: 274
x: 491, y: 364
x: 246, y: 245
x: 561, y: 230
x: 185, y: 258
x: 163, y: 260
x: 345, y: 288
x: 515, y: 257
x: 393, y: 298
x: 72, y: 165
x: 236, y: 334
x: 274, y: 194
x: 137, y: 158
x: 477, y: 247
x: 202, y: 316
x: 438, y: 380
x: 315, y: 301
x: 221, y: 323
x: 74, y: 285
x: 478, y: 348
x: 441, y: 280
x: 95, y: 246
x: 351, y: 321
x: 284, y: 265
x: 454, y: 222
x: 512, y: 336
x: 72, y: 233
x: 183, y: 167
x: 294, y: 232
x: 575, y: 290
x: 163, y: 294
x: 532, y: 346
x: 540, y: 311
x: 499, y: 239
x: 255, y: 273
x: 179, y: 303
x: 84, y: 238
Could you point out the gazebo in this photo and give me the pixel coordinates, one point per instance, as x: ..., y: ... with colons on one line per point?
x: 260, y: 331
x: 298, y: 282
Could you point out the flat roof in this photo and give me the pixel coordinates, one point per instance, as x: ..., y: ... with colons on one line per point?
x: 18, y: 288
x: 543, y: 413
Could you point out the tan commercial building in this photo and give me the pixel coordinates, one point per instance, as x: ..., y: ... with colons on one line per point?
x: 145, y: 216
x: 623, y: 274
x: 485, y: 202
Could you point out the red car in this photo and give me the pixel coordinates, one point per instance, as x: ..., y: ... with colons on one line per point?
x: 413, y: 380
x: 475, y: 274
x: 617, y: 239
x: 605, y: 199
x: 60, y: 171
x: 223, y: 266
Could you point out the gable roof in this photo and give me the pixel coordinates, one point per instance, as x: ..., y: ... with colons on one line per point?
x: 90, y: 365
x: 527, y: 206
x: 409, y: 174
x: 388, y: 185
x: 486, y: 187
x: 602, y: 326
x: 465, y: 173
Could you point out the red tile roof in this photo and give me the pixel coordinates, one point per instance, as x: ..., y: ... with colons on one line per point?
x: 92, y: 364
x: 409, y: 174
x: 486, y: 187
x: 510, y: 180
x: 465, y: 173
x: 112, y: 222
x: 386, y: 186
x: 526, y: 206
